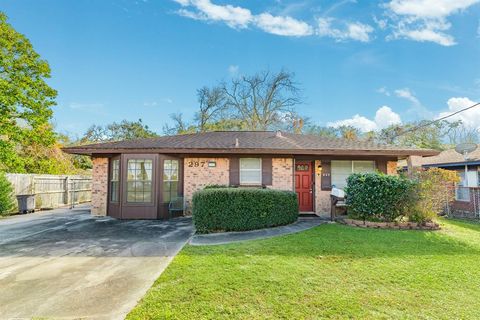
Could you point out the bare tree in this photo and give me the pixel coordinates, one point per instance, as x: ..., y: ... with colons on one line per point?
x: 263, y: 99
x: 458, y: 132
x: 179, y: 125
x: 212, y: 106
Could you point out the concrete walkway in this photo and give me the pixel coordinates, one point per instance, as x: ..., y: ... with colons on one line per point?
x: 66, y: 264
x: 230, y: 237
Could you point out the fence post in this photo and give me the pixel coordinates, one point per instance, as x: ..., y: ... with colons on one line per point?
x: 73, y: 193
x: 67, y: 190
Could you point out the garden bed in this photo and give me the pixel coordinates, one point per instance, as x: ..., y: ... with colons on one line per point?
x: 392, y: 225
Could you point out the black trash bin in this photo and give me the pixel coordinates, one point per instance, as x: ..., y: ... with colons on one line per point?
x: 26, y: 203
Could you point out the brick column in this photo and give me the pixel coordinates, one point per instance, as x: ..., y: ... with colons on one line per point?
x: 392, y: 168
x: 322, y: 197
x: 414, y: 163
x: 99, y: 186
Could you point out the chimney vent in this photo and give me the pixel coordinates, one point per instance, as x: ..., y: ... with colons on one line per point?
x: 278, y: 134
x: 237, y: 144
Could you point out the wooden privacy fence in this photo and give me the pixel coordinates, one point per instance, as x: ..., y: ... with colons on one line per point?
x: 53, y: 191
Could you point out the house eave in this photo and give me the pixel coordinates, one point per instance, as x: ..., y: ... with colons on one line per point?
x: 303, y: 152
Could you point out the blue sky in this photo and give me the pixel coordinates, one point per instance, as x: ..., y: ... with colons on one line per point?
x: 363, y: 63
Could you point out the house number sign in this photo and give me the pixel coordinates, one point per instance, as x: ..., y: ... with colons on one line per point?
x: 196, y: 164
x: 201, y: 164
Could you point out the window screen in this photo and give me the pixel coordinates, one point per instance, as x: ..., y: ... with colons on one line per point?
x: 139, y: 180
x: 251, y: 171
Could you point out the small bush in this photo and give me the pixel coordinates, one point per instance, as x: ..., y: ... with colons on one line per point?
x: 241, y: 209
x: 379, y: 197
x: 216, y: 186
x: 433, y: 190
x: 7, y: 203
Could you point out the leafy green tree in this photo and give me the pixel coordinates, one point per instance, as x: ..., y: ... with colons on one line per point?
x: 423, y: 134
x: 349, y: 132
x: 320, y: 131
x: 116, y: 131
x: 26, y: 99
x: 6, y: 195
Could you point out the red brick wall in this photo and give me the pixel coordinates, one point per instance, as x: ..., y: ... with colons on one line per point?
x: 467, y: 209
x: 99, y: 186
x: 282, y: 173
x: 197, y: 177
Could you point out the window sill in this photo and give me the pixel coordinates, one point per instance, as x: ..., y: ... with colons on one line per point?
x: 251, y: 186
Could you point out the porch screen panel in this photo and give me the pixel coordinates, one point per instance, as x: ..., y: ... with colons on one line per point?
x: 139, y: 180
x: 170, y: 180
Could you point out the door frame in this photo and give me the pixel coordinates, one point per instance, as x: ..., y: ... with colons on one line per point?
x: 114, y: 209
x: 312, y: 179
x: 132, y: 210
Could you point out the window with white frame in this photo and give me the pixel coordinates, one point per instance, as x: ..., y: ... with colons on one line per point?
x: 341, y: 169
x: 251, y: 171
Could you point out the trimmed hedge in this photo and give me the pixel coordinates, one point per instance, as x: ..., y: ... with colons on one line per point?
x: 241, y: 209
x: 379, y: 197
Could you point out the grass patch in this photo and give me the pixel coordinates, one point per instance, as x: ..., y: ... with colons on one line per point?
x: 331, y: 271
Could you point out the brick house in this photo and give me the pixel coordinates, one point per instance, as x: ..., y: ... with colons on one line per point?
x: 467, y: 191
x: 137, y: 179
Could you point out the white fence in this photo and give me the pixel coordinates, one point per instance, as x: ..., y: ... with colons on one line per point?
x: 53, y: 191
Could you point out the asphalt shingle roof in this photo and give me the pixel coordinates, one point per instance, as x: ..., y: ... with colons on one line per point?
x: 242, y: 141
x: 451, y: 156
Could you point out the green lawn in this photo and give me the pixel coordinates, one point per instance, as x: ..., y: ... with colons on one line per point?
x: 331, y: 271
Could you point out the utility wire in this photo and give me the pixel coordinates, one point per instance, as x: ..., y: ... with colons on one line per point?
x: 436, y: 120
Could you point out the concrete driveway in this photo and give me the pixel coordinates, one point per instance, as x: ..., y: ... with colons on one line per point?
x: 66, y: 264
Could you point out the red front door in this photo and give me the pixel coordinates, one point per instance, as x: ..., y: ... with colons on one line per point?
x: 303, y: 185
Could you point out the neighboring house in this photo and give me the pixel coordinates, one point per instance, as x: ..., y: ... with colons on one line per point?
x: 467, y: 191
x: 137, y: 179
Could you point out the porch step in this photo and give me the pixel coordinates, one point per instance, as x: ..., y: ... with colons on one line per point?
x: 307, y: 215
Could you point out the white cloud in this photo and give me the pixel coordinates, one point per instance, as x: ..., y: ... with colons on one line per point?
x: 471, y: 117
x: 283, y: 26
x: 383, y: 90
x: 349, y: 31
x: 233, y: 69
x: 384, y: 117
x: 94, y: 108
x: 407, y: 94
x: 424, y: 20
x: 150, y: 103
x: 417, y: 108
x: 358, y: 121
x: 429, y: 8
x: 235, y: 17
